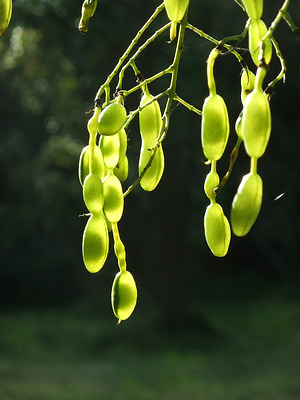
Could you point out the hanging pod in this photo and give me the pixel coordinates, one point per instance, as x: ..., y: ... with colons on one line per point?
x: 93, y: 193
x: 176, y: 9
x: 123, y: 145
x: 150, y: 126
x: 87, y: 11
x: 211, y: 182
x: 238, y: 125
x: 247, y: 83
x: 256, y: 123
x: 113, y: 197
x: 111, y: 119
x: 153, y: 174
x: 123, y: 295
x: 217, y: 230
x: 84, y: 163
x: 257, y: 30
x: 121, y: 170
x: 214, y: 127
x: 5, y: 14
x: 254, y: 8
x: 246, y: 204
x: 95, y: 243
x: 110, y: 148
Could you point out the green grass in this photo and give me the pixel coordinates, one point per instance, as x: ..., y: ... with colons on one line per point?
x: 70, y: 354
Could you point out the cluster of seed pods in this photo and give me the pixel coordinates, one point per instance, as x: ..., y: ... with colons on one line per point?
x: 253, y: 128
x: 103, y: 167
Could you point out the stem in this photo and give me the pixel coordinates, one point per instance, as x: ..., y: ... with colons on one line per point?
x: 210, y: 71
x: 140, y: 49
x: 281, y: 74
x: 119, y: 247
x: 127, y: 52
x: 132, y: 114
x: 293, y: 27
x: 253, y: 165
x: 215, y: 41
x: 147, y: 80
x: 236, y: 38
x: 233, y: 157
x: 174, y: 71
x: 281, y: 14
x: 137, y: 181
x: 187, y: 105
x: 92, y: 144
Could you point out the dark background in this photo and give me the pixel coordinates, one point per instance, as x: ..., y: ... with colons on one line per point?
x: 49, y: 74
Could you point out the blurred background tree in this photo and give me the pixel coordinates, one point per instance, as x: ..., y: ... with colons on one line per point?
x: 49, y: 74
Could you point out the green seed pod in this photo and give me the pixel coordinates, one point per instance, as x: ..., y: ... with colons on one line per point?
x: 84, y: 164
x: 123, y: 295
x: 256, y: 123
x: 150, y: 126
x: 214, y: 127
x: 92, y: 124
x: 121, y: 170
x: 95, y: 243
x: 113, y: 198
x: 173, y: 31
x: 119, y: 248
x: 123, y: 145
x: 254, y: 8
x: 154, y: 173
x: 176, y: 9
x: 257, y: 30
x: 238, y: 125
x: 110, y: 148
x: 87, y: 11
x: 5, y: 14
x: 111, y: 119
x: 150, y: 121
x: 211, y: 182
x: 247, y: 84
x: 217, y: 230
x: 246, y: 204
x: 93, y: 193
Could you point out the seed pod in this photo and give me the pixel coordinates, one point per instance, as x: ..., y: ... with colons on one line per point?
x: 246, y: 204
x: 84, y: 164
x: 154, y: 173
x: 111, y: 119
x: 211, y: 182
x: 93, y: 193
x: 149, y: 120
x: 238, y: 125
x: 123, y: 295
x: 119, y: 248
x: 87, y: 11
x: 113, y: 198
x: 95, y: 243
x: 254, y: 8
x: 5, y: 14
x: 217, y: 230
x: 110, y: 148
x: 123, y: 145
x: 176, y: 9
x: 150, y: 126
x: 247, y: 84
x: 173, y: 31
x: 257, y: 30
x: 214, y: 127
x: 92, y: 124
x: 121, y: 170
x: 256, y: 123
